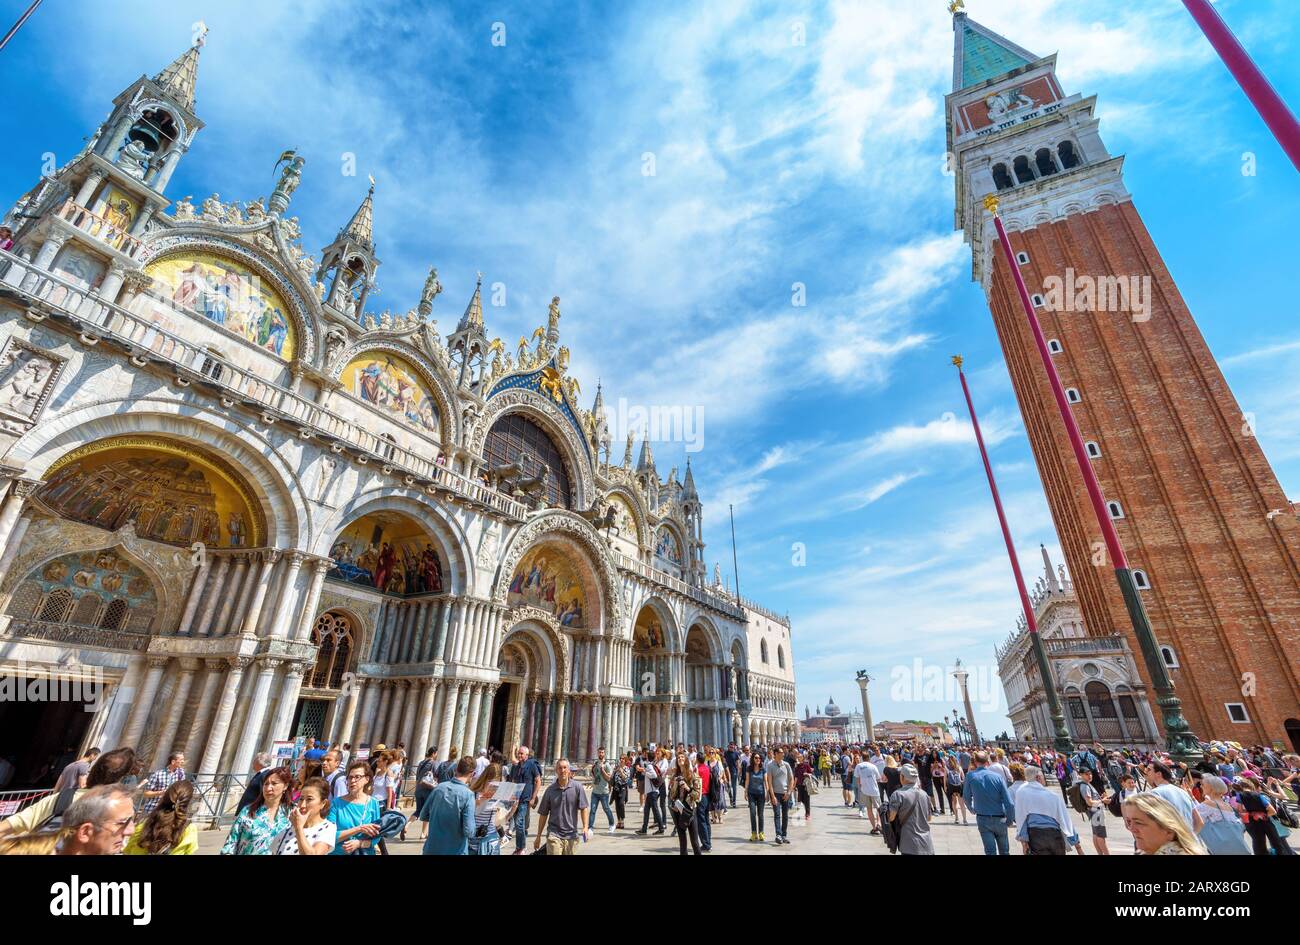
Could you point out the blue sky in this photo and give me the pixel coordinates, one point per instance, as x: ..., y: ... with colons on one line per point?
x: 837, y: 424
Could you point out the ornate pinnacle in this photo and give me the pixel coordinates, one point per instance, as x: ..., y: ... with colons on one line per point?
x: 991, y: 203
x: 957, y: 6
x: 957, y: 360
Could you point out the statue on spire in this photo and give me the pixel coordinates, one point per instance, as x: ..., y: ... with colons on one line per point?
x: 432, y: 289
x: 289, y: 180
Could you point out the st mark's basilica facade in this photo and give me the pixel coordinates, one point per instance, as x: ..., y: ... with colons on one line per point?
x: 256, y: 511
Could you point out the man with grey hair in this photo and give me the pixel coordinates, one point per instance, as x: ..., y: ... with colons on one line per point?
x: 1045, y: 825
x: 261, y: 767
x: 908, y: 810
x: 98, y: 822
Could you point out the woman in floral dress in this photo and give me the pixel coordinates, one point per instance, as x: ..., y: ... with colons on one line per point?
x: 260, y: 822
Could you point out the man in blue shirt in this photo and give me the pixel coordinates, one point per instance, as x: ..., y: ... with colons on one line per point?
x: 450, y: 814
x: 985, y: 793
x: 528, y: 772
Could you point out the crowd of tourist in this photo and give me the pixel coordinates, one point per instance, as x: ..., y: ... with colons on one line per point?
x: 1232, y: 801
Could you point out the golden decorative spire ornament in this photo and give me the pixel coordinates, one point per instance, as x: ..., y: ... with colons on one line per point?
x: 957, y: 6
x: 991, y: 203
x: 957, y: 360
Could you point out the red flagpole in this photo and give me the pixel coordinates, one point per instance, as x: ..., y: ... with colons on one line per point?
x: 1062, y: 734
x: 1280, y: 119
x: 997, y: 503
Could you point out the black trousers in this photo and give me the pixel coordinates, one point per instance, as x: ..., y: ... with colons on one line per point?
x: 685, y: 824
x: 619, y: 796
x: 652, y: 805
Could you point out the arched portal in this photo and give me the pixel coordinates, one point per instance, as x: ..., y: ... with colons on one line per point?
x: 707, y: 687
x: 655, y: 658
x: 524, y: 708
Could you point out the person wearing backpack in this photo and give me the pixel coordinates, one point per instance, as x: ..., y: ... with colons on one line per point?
x: 426, y: 779
x: 953, y: 780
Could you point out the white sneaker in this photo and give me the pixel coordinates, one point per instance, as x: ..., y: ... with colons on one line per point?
x: 611, y: 829
x: 862, y: 815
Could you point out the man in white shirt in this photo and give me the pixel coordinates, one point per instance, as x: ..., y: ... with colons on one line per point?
x: 866, y: 789
x: 1045, y: 825
x: 480, y: 763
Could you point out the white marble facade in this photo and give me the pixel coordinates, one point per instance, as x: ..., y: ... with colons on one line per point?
x: 229, y: 645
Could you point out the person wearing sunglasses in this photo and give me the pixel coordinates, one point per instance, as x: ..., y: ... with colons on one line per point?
x: 98, y: 823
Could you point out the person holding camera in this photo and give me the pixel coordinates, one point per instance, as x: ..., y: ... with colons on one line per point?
x: 685, y: 789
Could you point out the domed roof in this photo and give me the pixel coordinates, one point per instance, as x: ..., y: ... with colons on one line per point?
x: 832, y: 708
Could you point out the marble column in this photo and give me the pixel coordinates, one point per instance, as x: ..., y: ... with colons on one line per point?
x: 172, y: 721
x: 366, y: 718
x: 228, y: 594
x: 399, y: 710
x: 9, y: 518
x: 449, y: 709
x: 320, y: 567
x: 561, y: 717
x: 257, y: 705
x: 282, y: 615
x: 351, y: 698
x: 462, y: 713
x: 200, y: 580
x: 87, y: 189
x: 144, y: 701
x: 380, y: 734
x: 259, y: 597
x: 444, y: 625
x: 543, y: 746
x: 527, y: 738
x: 213, y: 596
x: 471, y: 723
x: 432, y: 618
x: 485, y: 717
x: 416, y: 644
x: 594, y: 739
x: 290, y: 686
x: 203, y: 712
x: 216, y: 743
x: 424, y: 719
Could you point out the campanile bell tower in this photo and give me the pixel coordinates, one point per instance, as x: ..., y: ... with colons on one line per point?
x: 1193, y: 498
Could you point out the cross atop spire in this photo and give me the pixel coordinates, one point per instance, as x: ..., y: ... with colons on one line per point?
x: 979, y: 54
x: 179, y: 79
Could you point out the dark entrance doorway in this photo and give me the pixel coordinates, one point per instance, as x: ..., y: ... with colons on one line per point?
x: 1293, y: 733
x: 500, y: 709
x: 40, y: 738
x: 309, y: 718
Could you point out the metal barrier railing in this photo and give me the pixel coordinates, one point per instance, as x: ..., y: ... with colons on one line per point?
x: 11, y: 802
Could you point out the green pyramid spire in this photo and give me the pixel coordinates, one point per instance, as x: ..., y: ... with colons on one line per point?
x: 980, y: 54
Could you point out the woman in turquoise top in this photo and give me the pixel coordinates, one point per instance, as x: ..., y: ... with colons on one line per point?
x: 356, y: 814
x: 259, y: 823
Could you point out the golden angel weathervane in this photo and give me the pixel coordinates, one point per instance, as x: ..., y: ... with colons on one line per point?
x: 957, y: 6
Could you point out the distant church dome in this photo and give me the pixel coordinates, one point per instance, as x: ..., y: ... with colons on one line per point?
x: 832, y: 708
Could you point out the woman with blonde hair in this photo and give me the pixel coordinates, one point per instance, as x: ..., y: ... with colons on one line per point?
x: 29, y: 844
x: 168, y: 828
x: 1157, y: 826
x: 684, y: 797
